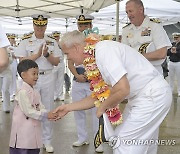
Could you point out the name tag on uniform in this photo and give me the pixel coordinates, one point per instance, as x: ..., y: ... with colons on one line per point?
x: 50, y: 43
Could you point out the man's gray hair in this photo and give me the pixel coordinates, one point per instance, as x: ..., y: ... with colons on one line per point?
x: 138, y: 2
x: 70, y: 38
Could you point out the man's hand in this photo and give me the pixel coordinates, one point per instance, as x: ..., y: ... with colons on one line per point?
x: 173, y: 50
x: 52, y: 116
x: 45, y: 49
x: 42, y: 50
x: 81, y: 78
x: 61, y: 111
x: 39, y: 53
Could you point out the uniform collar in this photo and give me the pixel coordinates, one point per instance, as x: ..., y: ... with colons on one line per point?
x: 34, y: 37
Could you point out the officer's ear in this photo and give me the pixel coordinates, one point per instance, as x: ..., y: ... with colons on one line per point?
x: 141, y: 9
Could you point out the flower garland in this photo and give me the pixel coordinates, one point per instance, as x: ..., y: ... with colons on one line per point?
x: 100, y: 89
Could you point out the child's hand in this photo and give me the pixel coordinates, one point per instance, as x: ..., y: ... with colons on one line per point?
x: 61, y: 111
x: 52, y: 116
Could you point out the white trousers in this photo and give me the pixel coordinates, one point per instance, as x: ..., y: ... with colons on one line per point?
x: 13, y: 86
x: 142, y: 117
x: 59, y: 80
x: 45, y: 85
x: 5, y: 82
x: 174, y: 71
x: 80, y: 91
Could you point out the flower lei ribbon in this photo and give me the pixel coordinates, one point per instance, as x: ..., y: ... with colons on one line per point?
x: 101, y: 90
x: 89, y: 31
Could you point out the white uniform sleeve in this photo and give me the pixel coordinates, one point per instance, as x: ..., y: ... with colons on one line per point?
x: 27, y: 108
x: 160, y: 38
x: 4, y: 42
x: 110, y: 62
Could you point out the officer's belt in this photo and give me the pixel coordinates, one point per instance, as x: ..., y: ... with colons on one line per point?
x: 80, y: 70
x: 44, y: 72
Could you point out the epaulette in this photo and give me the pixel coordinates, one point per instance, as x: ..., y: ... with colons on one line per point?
x: 26, y: 37
x: 30, y: 34
x: 155, y: 20
x: 127, y: 25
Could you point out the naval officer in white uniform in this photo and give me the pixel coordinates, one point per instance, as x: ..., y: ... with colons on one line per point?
x: 131, y: 76
x: 80, y: 89
x: 145, y: 35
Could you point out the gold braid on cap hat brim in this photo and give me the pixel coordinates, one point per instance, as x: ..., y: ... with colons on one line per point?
x: 40, y: 22
x: 11, y: 37
x: 85, y: 21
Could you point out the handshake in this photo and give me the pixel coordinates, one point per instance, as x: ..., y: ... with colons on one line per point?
x: 58, y: 113
x: 62, y: 110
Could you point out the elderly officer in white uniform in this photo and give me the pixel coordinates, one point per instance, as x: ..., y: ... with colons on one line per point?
x: 11, y: 37
x: 80, y: 90
x: 46, y: 53
x: 59, y: 72
x: 4, y: 60
x: 145, y: 35
x: 131, y: 76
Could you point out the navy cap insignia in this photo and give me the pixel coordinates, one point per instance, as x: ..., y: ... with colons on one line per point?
x: 40, y: 20
x: 81, y: 18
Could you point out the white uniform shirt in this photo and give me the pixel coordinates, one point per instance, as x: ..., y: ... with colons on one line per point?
x: 3, y: 38
x: 147, y: 32
x: 115, y: 59
x: 31, y: 46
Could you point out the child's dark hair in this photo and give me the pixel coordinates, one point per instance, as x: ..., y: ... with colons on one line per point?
x: 25, y: 65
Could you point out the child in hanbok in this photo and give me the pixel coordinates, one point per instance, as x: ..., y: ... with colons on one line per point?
x: 26, y: 133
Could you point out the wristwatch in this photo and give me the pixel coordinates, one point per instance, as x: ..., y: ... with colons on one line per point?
x: 47, y: 55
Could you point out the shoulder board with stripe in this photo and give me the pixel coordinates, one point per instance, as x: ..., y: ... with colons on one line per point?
x: 143, y: 48
x: 26, y: 37
x: 155, y: 20
x: 127, y: 25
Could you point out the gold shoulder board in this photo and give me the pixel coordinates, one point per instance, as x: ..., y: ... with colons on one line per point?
x: 155, y: 20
